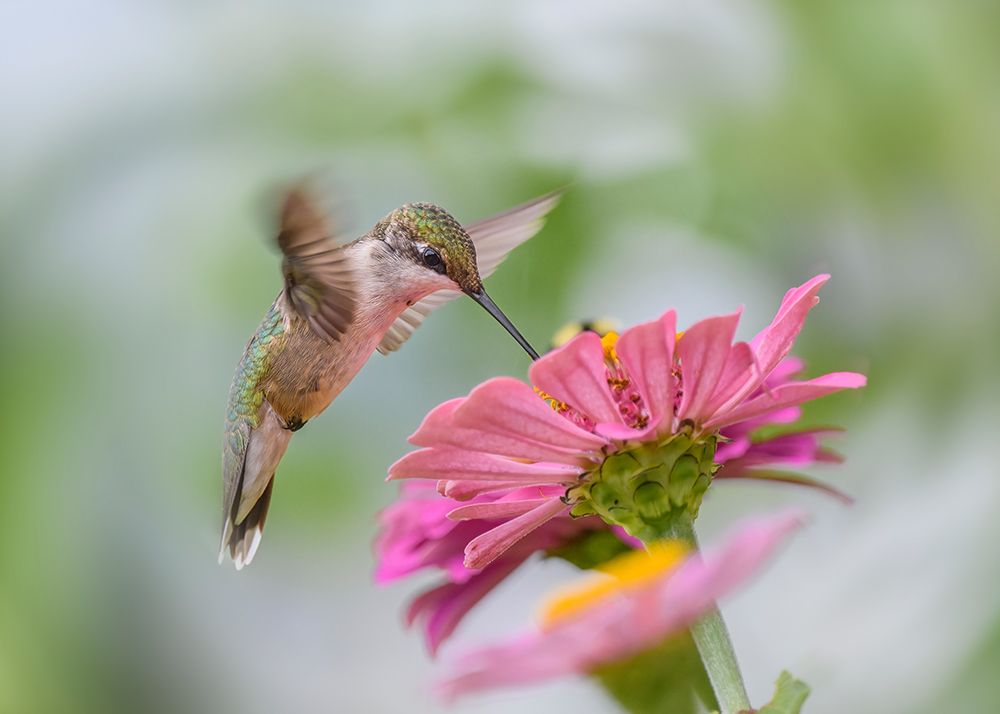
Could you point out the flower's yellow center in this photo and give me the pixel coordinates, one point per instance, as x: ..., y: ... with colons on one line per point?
x: 626, y: 572
x: 609, y: 342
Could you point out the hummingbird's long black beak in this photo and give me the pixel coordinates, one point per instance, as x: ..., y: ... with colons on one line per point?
x: 491, y: 307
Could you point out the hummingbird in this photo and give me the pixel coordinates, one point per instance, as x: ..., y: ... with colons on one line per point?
x: 341, y: 302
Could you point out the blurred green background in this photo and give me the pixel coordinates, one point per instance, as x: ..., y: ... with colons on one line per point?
x: 717, y: 152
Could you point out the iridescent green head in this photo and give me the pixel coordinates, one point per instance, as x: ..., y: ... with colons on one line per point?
x: 431, y: 251
x: 438, y: 242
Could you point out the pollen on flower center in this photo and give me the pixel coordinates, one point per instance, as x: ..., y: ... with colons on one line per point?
x: 609, y: 342
x: 629, y: 400
x: 621, y: 574
x: 630, y: 405
x: 557, y: 405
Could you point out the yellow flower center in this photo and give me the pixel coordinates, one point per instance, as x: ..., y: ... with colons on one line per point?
x: 608, y: 342
x: 626, y: 572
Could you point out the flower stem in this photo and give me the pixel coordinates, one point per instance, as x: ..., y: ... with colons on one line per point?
x: 716, y: 649
x: 711, y: 636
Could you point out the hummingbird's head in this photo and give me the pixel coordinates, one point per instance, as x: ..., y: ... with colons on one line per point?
x: 439, y: 254
x: 436, y: 244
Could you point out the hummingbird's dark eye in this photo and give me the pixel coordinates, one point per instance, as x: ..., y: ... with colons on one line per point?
x: 432, y: 259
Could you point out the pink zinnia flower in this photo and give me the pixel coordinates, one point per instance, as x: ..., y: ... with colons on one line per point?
x: 642, y: 603
x: 416, y: 532
x: 626, y: 428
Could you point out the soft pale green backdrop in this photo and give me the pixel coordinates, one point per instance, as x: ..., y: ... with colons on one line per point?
x: 717, y: 152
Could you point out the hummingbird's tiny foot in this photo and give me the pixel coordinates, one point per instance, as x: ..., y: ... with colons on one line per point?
x: 294, y: 424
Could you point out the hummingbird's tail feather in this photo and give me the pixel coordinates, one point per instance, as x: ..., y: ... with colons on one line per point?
x: 242, y: 539
x: 249, y: 463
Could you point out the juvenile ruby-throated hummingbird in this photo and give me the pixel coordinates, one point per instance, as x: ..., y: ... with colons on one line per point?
x: 341, y: 302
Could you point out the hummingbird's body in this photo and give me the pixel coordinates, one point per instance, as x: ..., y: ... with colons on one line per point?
x: 341, y: 303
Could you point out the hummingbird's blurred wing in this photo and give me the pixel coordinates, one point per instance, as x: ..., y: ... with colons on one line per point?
x: 495, y: 238
x: 319, y: 278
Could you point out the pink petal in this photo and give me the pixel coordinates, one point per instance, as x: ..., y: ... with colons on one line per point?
x: 508, y: 408
x: 703, y: 352
x: 465, y: 490
x: 488, y: 547
x: 703, y: 580
x: 437, y: 424
x: 621, y: 432
x: 647, y: 352
x: 789, y: 395
x: 530, y: 658
x: 625, y: 624
x: 739, y: 379
x: 577, y: 375
x: 786, y: 369
x: 774, y: 342
x: 496, y: 510
x: 442, y: 427
x: 451, y: 464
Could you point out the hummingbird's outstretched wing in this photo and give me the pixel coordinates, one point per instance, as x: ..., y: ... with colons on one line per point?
x: 495, y: 238
x: 319, y: 276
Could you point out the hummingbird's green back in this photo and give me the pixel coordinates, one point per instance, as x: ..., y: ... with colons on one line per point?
x: 246, y: 394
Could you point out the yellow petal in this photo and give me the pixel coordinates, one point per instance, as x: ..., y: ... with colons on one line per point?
x: 626, y: 572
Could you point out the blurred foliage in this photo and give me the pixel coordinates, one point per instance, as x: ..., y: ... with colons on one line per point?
x: 753, y: 146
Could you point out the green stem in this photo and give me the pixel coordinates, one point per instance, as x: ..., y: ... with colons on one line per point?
x: 711, y: 636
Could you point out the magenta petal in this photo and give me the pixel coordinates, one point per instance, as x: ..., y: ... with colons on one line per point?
x: 734, y: 449
x: 796, y: 448
x: 790, y: 477
x: 774, y: 342
x: 703, y: 352
x: 577, y: 375
x: 647, y: 352
x: 495, y: 511
x: 443, y: 608
x: 490, y: 545
x: 451, y: 464
x: 788, y: 395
